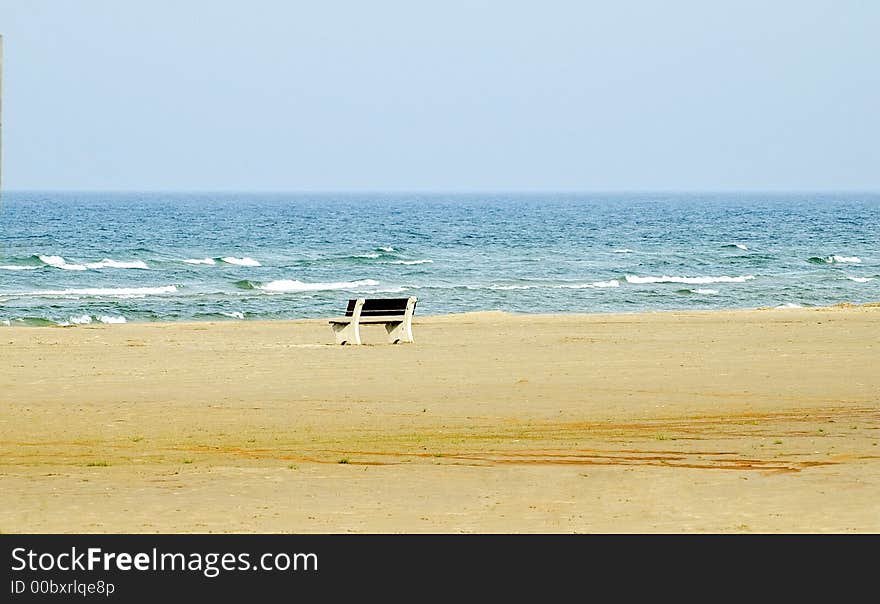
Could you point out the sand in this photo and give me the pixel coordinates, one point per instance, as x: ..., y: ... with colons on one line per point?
x: 741, y: 421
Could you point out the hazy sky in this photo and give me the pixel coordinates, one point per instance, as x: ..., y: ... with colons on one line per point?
x: 445, y: 95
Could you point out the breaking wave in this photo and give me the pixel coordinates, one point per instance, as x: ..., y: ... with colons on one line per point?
x: 89, y: 319
x: 293, y: 285
x: 611, y: 283
x: 60, y: 262
x: 239, y: 261
x: 103, y: 291
x: 689, y: 280
x: 835, y: 259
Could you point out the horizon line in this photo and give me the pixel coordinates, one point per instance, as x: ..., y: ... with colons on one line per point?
x: 438, y: 191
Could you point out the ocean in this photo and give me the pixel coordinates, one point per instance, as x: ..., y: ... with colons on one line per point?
x: 85, y: 258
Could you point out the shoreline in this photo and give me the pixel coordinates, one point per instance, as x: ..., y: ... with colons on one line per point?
x: 474, y: 314
x: 668, y: 421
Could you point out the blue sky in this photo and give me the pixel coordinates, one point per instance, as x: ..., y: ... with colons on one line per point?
x: 453, y: 95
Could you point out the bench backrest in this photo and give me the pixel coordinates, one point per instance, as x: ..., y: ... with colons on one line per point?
x: 374, y: 307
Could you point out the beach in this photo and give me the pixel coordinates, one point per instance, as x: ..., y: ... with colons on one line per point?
x: 697, y: 421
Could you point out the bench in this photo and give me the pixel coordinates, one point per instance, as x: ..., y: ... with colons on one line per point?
x: 395, y: 313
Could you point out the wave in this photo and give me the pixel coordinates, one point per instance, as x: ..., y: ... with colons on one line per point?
x: 389, y: 290
x: 835, y: 259
x: 30, y: 322
x: 110, y: 263
x: 408, y: 262
x: 234, y: 314
x: 624, y: 250
x: 245, y: 284
x: 611, y: 283
x: 240, y: 261
x: 789, y: 305
x: 103, y: 291
x: 81, y: 320
x: 89, y: 319
x: 735, y: 246
x: 861, y: 279
x: 699, y: 291
x: 60, y: 262
x: 16, y: 267
x: 386, y: 248
x: 371, y: 256
x: 200, y: 261
x: 293, y: 285
x: 111, y: 320
x: 689, y: 280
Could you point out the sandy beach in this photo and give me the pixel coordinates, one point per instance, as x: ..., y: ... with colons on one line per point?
x: 716, y: 421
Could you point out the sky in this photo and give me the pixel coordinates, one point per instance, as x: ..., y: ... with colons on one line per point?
x: 441, y: 96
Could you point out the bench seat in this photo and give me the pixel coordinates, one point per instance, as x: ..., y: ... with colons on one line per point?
x: 362, y: 319
x: 394, y: 313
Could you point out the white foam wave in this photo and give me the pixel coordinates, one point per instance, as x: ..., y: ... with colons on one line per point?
x: 861, y: 279
x: 504, y: 287
x: 200, y: 261
x: 373, y: 255
x: 623, y: 250
x: 789, y: 305
x: 110, y: 263
x: 387, y: 248
x: 843, y: 259
x: 6, y: 322
x: 60, y: 262
x: 111, y: 320
x: 234, y: 314
x: 689, y: 280
x: 705, y: 292
x: 612, y: 283
x: 293, y: 285
x: 390, y: 290
x: 426, y: 261
x: 104, y: 291
x: 87, y: 320
x: 16, y: 267
x: 240, y: 261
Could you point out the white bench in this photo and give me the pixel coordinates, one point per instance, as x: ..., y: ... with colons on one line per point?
x: 395, y: 313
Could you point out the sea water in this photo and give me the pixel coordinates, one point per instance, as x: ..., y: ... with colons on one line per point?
x: 81, y: 258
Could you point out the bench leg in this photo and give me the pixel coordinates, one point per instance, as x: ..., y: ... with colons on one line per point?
x: 347, y: 333
x: 399, y: 332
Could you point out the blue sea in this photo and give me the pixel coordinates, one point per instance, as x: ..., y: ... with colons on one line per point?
x: 80, y: 258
